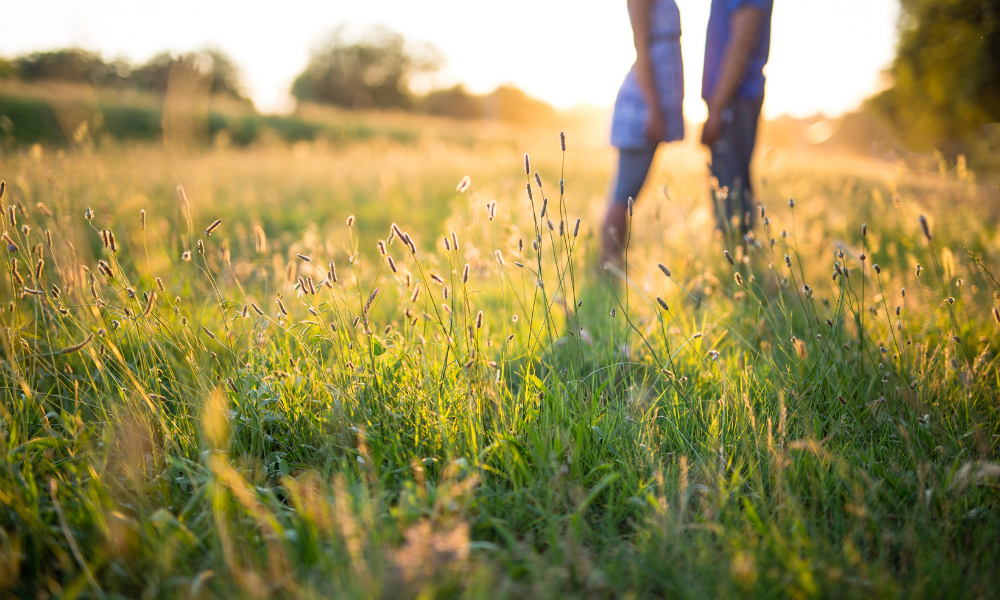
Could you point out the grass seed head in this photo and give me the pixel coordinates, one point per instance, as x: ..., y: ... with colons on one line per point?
x: 259, y: 239
x: 877, y: 268
x: 791, y: 203
x: 500, y: 258
x: 142, y: 219
x: 381, y: 247
x: 208, y: 231
x: 538, y: 180
x: 527, y: 165
x: 208, y: 332
x: 256, y: 309
x: 392, y: 264
x: 738, y: 278
x: 996, y: 314
x: 350, y: 221
x: 479, y: 320
x: 925, y: 227
x: 576, y: 229
x: 527, y: 187
x: 545, y: 207
x: 917, y: 270
x: 864, y: 230
x: 332, y: 274
x: 729, y: 257
x: 630, y: 203
x: 38, y: 268
x: 454, y: 240
x: 662, y: 303
x: 281, y: 307
x: 463, y: 184
x: 447, y: 244
x: 77, y: 347
x: 465, y: 273
x: 201, y: 247
x: 416, y: 293
x: 562, y: 140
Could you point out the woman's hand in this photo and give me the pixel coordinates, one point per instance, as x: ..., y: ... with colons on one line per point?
x: 656, y: 127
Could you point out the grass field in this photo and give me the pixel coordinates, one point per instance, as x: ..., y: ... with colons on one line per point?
x: 186, y: 415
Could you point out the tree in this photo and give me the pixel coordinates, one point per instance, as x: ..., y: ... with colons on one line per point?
x: 375, y: 71
x: 946, y: 75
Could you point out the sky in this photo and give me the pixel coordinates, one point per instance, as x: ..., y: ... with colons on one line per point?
x: 826, y: 55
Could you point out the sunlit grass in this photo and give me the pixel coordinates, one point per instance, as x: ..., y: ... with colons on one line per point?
x: 191, y: 419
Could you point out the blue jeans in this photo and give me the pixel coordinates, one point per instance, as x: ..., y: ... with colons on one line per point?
x: 731, y: 155
x: 633, y: 166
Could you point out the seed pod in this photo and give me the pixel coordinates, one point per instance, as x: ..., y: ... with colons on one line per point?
x: 152, y: 300
x: 215, y: 225
x: 926, y: 228
x: 76, y: 347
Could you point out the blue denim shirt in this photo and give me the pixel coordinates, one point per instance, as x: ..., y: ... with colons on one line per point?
x: 717, y: 38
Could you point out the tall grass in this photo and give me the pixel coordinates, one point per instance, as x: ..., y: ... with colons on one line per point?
x: 277, y: 409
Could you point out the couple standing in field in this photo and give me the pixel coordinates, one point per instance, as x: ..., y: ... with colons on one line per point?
x: 648, y: 108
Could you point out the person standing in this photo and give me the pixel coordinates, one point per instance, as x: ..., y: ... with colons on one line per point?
x: 648, y: 110
x: 737, y: 46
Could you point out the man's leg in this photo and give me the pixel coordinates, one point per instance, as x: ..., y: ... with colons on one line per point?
x: 731, y: 155
x: 633, y: 166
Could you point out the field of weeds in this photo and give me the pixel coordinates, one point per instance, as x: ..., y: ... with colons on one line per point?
x: 322, y: 371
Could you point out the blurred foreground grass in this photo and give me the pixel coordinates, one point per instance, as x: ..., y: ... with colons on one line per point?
x: 278, y: 410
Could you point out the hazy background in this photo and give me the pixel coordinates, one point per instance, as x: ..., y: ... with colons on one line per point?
x: 825, y: 56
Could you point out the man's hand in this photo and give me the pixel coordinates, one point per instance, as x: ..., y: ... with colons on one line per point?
x: 656, y: 127
x: 713, y: 127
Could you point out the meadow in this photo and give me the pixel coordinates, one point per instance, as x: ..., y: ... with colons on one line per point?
x: 340, y: 369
